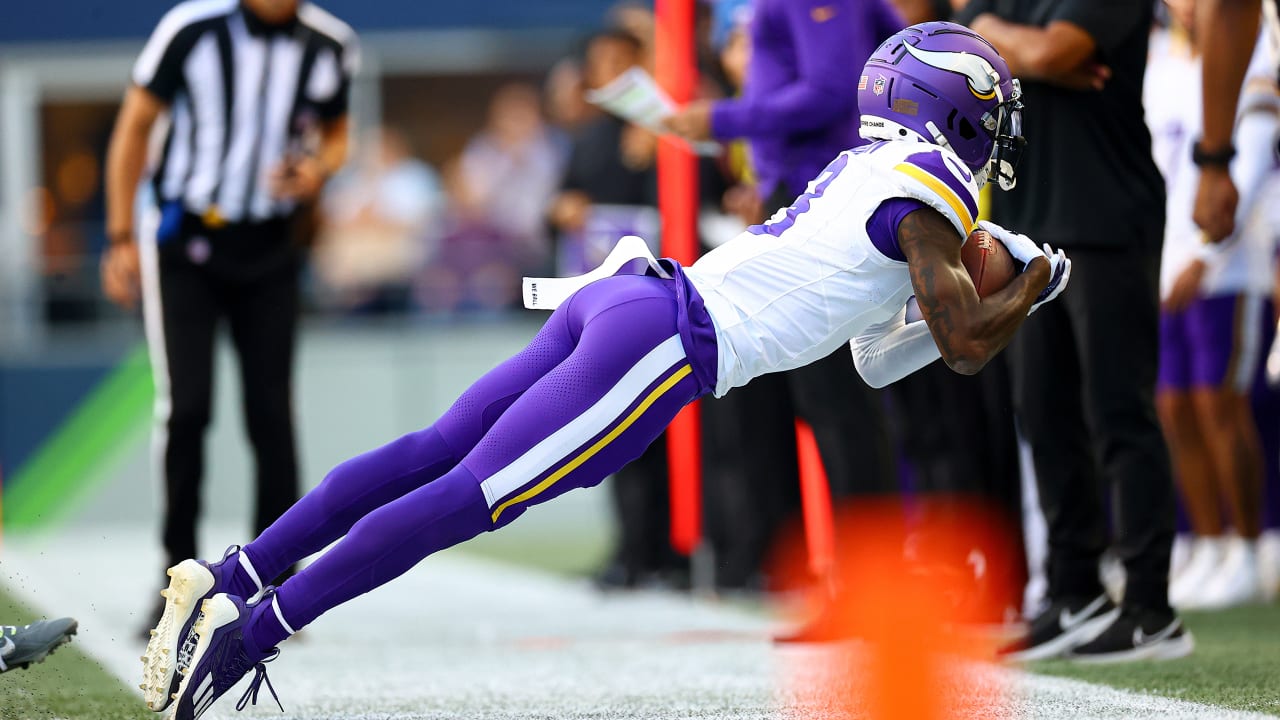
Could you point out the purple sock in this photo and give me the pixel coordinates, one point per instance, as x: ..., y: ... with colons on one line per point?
x: 348, y: 493
x: 383, y: 546
x: 243, y: 580
x: 267, y: 626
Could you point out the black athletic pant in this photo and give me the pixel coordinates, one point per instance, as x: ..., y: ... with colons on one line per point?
x: 958, y: 433
x: 751, y: 482
x: 247, y: 276
x: 1084, y: 382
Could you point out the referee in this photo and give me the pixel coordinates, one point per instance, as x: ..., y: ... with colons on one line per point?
x: 254, y: 99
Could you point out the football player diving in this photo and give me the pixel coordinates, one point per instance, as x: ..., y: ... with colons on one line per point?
x: 622, y: 353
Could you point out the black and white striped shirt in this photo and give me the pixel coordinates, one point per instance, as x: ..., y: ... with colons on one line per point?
x: 242, y: 95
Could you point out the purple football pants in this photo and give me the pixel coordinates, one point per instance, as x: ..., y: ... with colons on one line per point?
x: 594, y: 388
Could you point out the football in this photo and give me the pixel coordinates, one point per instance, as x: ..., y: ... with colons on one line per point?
x: 988, y: 262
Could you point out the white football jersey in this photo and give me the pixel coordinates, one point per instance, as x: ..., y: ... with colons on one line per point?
x: 793, y: 290
x: 1172, y: 102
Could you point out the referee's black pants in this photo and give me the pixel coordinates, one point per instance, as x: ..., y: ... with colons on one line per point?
x: 247, y: 275
x: 1084, y: 382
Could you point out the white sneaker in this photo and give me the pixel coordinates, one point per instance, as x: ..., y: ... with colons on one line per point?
x: 1181, y: 555
x: 1206, y: 556
x: 1237, y: 581
x: 1269, y: 564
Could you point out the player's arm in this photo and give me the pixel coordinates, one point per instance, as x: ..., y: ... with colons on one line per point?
x: 968, y: 331
x: 1061, y: 52
x: 887, y: 352
x: 822, y: 33
x: 1227, y: 29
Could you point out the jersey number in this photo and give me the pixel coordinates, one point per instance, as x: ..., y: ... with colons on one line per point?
x: 786, y: 217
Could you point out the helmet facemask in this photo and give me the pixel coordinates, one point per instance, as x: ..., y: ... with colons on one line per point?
x: 1005, y: 127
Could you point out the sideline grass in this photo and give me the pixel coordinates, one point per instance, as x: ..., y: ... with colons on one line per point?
x: 66, y: 685
x: 1236, y: 663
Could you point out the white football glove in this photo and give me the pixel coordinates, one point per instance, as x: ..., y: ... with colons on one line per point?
x: 1059, y: 274
x: 1021, y: 247
x: 1024, y: 250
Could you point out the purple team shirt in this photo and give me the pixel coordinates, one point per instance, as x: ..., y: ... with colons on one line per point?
x: 799, y: 106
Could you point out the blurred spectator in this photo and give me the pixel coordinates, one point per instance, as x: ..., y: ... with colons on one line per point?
x: 379, y: 216
x: 797, y: 115
x: 1213, y: 316
x: 509, y: 172
x: 499, y: 190
x: 1084, y: 371
x: 567, y: 108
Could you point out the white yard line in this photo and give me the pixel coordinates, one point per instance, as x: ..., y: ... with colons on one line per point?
x: 461, y: 638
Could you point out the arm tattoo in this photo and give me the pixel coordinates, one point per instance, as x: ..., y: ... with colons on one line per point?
x: 968, y: 331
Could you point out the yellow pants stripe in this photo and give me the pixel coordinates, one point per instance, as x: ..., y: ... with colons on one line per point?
x: 590, y: 452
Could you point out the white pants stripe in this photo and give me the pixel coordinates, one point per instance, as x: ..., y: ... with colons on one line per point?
x: 153, y: 321
x: 597, y: 418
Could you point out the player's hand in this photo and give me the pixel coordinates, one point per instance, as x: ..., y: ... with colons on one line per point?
x: 120, y: 274
x: 691, y: 122
x: 298, y: 178
x: 1216, y: 199
x: 1022, y: 248
x: 1059, y: 276
x: 1185, y: 287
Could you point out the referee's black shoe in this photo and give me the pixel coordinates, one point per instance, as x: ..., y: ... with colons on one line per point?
x: 1138, y: 634
x: 1064, y: 625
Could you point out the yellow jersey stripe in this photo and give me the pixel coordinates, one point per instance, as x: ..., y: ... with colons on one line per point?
x: 590, y: 452
x: 948, y: 195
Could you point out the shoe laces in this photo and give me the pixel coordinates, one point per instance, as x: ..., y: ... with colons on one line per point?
x: 259, y: 677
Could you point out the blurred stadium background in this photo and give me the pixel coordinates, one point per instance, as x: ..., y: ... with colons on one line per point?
x: 389, y: 337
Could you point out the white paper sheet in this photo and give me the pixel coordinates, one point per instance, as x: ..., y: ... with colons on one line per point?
x: 635, y: 97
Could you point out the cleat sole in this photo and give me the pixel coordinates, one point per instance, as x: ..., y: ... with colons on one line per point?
x: 214, y: 613
x: 189, y: 581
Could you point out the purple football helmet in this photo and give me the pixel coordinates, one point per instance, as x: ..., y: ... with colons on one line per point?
x: 941, y: 83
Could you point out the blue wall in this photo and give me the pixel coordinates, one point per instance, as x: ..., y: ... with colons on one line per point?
x: 22, y: 21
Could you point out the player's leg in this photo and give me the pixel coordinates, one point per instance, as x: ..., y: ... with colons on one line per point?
x: 349, y: 492
x: 1182, y: 428
x: 625, y: 380
x: 370, y: 480
x: 1228, y: 346
x: 1191, y: 460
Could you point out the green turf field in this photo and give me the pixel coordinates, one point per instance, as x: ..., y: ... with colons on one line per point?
x: 66, y: 685
x: 1236, y: 663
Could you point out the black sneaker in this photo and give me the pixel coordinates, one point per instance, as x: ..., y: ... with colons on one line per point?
x: 1138, y: 635
x: 23, y: 646
x: 1064, y: 625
